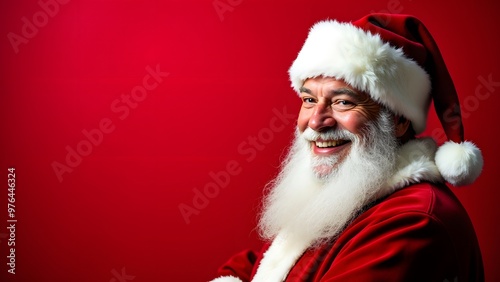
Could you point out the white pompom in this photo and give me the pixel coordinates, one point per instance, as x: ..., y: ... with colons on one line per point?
x: 459, y: 163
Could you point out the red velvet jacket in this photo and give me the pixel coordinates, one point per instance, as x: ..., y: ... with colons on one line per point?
x: 420, y: 232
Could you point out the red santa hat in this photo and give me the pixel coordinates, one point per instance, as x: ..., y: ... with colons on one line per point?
x: 396, y: 61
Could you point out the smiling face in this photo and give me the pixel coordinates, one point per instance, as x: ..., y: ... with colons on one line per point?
x: 332, y: 115
x: 344, y: 151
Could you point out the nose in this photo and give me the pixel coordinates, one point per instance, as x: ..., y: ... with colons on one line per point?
x: 322, y: 118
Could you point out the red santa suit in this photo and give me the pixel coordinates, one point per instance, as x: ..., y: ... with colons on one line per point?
x: 414, y: 229
x: 420, y: 232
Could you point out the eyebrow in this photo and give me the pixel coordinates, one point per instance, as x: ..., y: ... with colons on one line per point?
x: 305, y: 90
x: 339, y: 91
x: 347, y: 91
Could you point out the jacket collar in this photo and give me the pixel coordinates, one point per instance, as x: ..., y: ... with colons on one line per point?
x: 415, y: 163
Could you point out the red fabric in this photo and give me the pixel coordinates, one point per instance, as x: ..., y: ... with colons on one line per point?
x: 410, y: 34
x: 240, y: 265
x: 419, y: 233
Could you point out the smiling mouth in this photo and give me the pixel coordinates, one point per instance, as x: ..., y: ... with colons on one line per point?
x: 330, y: 143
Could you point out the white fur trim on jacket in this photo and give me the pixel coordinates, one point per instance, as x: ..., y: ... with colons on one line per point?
x: 227, y: 279
x: 279, y: 258
x: 365, y: 62
x: 415, y: 164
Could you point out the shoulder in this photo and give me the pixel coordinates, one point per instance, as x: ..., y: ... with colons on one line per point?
x: 430, y: 210
x: 423, y: 212
x: 427, y: 199
x: 418, y: 233
x: 420, y: 227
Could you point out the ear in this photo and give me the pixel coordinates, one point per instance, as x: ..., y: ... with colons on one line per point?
x: 402, y: 125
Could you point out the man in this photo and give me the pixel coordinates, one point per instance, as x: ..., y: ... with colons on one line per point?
x: 360, y: 197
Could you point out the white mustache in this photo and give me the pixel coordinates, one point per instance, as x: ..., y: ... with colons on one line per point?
x: 334, y: 134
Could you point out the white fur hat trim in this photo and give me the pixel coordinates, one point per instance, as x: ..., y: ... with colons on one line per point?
x: 367, y: 63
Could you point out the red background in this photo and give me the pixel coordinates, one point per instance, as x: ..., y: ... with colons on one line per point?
x: 117, y: 212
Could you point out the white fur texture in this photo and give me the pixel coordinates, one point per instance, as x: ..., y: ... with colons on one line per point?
x: 227, y: 279
x: 279, y: 259
x: 415, y: 163
x: 459, y: 163
x: 364, y: 61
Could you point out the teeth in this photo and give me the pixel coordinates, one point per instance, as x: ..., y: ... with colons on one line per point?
x: 326, y: 144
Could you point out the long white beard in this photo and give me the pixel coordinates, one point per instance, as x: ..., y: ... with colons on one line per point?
x: 311, y: 205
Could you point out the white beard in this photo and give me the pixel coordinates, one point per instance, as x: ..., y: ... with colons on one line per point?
x: 314, y: 205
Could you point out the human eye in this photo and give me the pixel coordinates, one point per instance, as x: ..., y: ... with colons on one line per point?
x: 343, y: 105
x: 308, y: 101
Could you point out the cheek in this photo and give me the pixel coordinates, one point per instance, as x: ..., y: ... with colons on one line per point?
x: 303, y: 120
x: 353, y: 121
x: 370, y: 112
x: 368, y: 109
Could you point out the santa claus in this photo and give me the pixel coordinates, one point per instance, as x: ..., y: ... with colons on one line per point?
x: 360, y: 197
